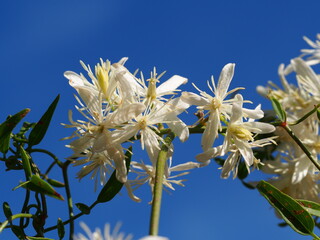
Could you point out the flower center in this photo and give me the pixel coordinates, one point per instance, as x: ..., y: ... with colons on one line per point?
x: 241, y: 132
x: 152, y: 89
x: 215, y: 103
x: 102, y: 74
x: 143, y: 123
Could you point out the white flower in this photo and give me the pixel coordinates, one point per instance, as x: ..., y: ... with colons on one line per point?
x: 217, y: 105
x: 145, y: 124
x: 98, y: 235
x: 147, y: 173
x: 307, y: 186
x: 239, y: 134
x: 315, y: 52
x: 152, y: 92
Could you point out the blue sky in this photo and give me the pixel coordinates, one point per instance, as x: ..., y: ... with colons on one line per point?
x: 42, y: 39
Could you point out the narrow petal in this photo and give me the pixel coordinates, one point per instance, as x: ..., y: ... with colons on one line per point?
x: 225, y: 78
x: 171, y: 85
x: 194, y: 99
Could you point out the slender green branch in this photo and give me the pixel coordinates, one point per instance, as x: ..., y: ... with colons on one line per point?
x: 301, y: 145
x: 69, y: 198
x: 158, y: 186
x: 48, y: 153
x: 13, y: 217
x: 71, y: 219
x: 305, y: 116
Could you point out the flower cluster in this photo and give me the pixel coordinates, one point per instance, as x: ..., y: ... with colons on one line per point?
x: 239, y: 124
x: 296, y: 174
x: 120, y: 107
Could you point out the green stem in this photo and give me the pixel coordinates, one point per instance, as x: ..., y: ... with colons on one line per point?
x: 306, y: 115
x: 13, y: 217
x: 158, y: 186
x: 315, y: 236
x: 71, y: 219
x: 301, y: 145
x: 68, y: 193
x: 48, y: 153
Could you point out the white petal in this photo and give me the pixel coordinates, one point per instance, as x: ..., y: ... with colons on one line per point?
x: 225, y: 78
x: 211, y: 132
x: 179, y: 128
x: 171, y: 84
x: 127, y: 112
x: 193, y: 99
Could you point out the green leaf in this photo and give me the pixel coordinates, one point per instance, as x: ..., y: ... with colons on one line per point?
x: 278, y: 109
x: 40, y: 129
x: 291, y: 211
x: 242, y: 170
x: 7, y: 126
x: 113, y: 186
x: 83, y: 208
x: 7, y: 210
x: 312, y: 207
x: 55, y: 183
x: 26, y: 162
x: 39, y: 185
x: 61, y: 230
x: 18, y: 232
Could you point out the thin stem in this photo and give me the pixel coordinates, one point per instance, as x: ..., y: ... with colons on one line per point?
x: 306, y: 115
x: 158, y: 186
x: 48, y: 153
x: 71, y: 219
x: 68, y: 193
x: 301, y: 145
x: 13, y: 217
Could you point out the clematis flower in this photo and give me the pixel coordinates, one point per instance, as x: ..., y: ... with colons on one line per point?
x: 154, y: 93
x: 98, y: 235
x: 217, y: 105
x: 146, y: 122
x: 239, y: 134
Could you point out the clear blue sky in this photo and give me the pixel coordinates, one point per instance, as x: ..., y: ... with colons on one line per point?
x: 42, y: 39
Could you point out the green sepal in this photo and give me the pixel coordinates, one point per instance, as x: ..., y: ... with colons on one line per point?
x: 278, y: 109
x: 41, y: 127
x: 7, y: 126
x: 55, y: 183
x: 113, y: 186
x: 60, y: 227
x: 83, y: 208
x: 298, y: 218
x: 7, y: 210
x: 39, y: 185
x: 26, y: 162
x: 312, y: 207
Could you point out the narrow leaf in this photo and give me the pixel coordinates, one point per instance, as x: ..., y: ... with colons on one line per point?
x: 26, y: 162
x: 55, y: 183
x: 7, y: 210
x: 83, y: 208
x: 278, y: 109
x: 39, y: 185
x: 312, y: 207
x: 113, y: 186
x: 6, y: 128
x: 291, y: 211
x: 40, y: 129
x: 18, y: 232
x: 61, y: 230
